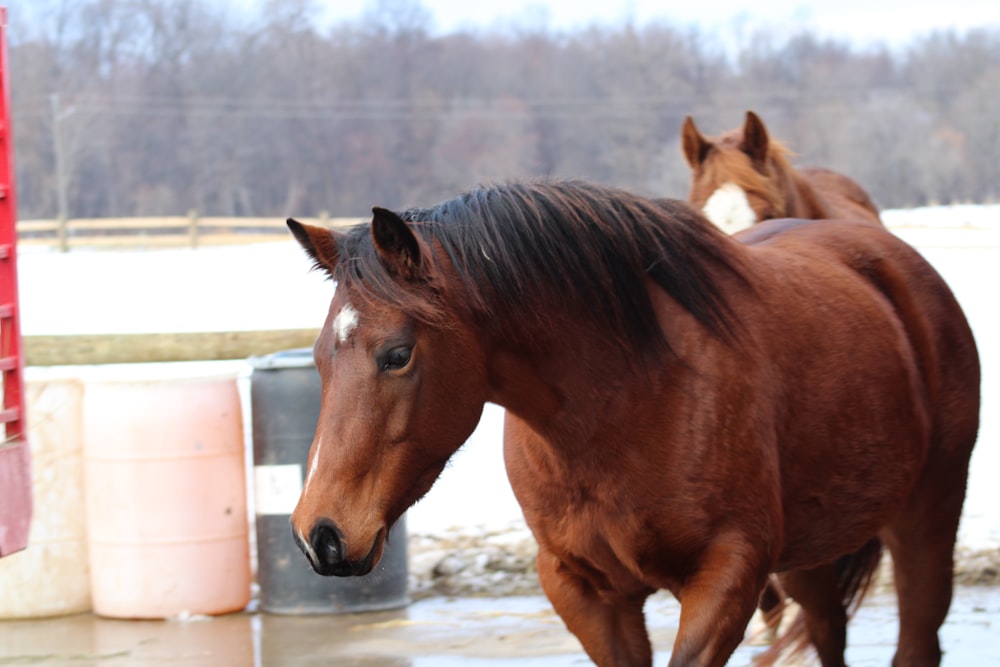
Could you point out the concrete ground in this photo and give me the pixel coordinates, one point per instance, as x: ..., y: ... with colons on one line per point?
x: 435, y: 632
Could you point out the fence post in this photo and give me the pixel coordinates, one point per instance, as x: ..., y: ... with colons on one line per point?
x: 193, y: 228
x: 63, y: 233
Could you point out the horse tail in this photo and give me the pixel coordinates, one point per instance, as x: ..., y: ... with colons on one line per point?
x: 855, y: 576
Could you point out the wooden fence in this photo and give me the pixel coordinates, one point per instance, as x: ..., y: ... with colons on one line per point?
x: 134, y: 348
x: 191, y: 231
x: 153, y: 234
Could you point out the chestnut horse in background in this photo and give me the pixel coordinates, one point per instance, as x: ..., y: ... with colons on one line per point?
x: 684, y: 410
x: 743, y: 177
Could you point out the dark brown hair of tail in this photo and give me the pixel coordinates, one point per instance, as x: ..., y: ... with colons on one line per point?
x: 855, y: 575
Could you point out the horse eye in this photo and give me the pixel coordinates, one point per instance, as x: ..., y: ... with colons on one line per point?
x: 397, y: 358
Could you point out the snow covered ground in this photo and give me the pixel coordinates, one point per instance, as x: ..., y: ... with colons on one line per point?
x: 270, y: 287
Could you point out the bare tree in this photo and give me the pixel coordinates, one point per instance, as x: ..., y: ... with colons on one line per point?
x: 160, y: 106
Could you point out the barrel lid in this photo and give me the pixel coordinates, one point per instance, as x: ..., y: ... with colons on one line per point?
x: 300, y: 357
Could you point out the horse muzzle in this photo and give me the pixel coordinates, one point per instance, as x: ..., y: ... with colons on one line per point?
x: 326, y: 551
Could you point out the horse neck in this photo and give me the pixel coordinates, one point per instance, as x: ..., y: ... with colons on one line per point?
x: 553, y: 387
x: 801, y: 199
x: 569, y: 390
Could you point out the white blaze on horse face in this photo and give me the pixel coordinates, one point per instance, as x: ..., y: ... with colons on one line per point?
x: 313, y: 464
x: 729, y: 209
x: 344, y: 323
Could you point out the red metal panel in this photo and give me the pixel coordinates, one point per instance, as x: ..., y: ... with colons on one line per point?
x: 15, y: 470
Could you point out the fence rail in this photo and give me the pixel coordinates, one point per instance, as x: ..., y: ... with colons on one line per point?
x: 133, y: 348
x: 189, y: 231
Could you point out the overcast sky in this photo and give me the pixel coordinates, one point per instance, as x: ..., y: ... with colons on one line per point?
x: 859, y: 21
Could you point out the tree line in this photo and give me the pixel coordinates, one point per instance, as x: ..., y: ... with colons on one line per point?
x: 158, y: 107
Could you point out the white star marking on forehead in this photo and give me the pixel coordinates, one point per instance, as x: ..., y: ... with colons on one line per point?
x: 345, y: 322
x: 729, y: 209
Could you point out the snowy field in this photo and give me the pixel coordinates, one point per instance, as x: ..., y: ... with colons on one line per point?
x: 270, y: 286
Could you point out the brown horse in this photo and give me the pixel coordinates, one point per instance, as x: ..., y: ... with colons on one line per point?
x: 743, y: 177
x: 685, y: 411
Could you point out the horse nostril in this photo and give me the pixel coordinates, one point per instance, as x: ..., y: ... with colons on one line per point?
x: 326, y: 543
x: 329, y: 547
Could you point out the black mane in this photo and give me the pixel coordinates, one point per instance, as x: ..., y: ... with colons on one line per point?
x: 528, y: 250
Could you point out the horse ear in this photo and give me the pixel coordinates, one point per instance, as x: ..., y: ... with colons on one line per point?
x: 396, y: 243
x: 755, y: 139
x: 695, y: 146
x: 318, y: 242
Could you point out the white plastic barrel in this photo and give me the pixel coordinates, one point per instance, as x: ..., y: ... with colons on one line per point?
x: 51, y: 577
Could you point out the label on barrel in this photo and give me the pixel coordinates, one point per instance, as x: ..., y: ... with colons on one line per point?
x: 277, y: 488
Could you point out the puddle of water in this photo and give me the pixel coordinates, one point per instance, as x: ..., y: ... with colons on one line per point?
x: 436, y: 633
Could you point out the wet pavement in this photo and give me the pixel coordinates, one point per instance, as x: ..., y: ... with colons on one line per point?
x: 436, y: 632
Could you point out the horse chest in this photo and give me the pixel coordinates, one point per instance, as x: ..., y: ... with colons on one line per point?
x: 584, y: 550
x: 613, y: 551
x: 617, y: 531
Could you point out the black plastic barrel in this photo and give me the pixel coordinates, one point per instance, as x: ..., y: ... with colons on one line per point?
x: 285, y: 403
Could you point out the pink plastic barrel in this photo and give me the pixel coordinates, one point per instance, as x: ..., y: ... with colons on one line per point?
x: 166, y: 492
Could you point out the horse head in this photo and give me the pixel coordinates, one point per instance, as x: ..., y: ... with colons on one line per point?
x: 402, y: 388
x: 737, y: 177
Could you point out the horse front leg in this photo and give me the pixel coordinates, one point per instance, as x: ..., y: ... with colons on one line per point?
x: 717, y: 602
x: 611, y: 627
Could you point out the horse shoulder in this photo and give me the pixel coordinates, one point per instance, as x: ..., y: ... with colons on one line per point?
x: 627, y: 508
